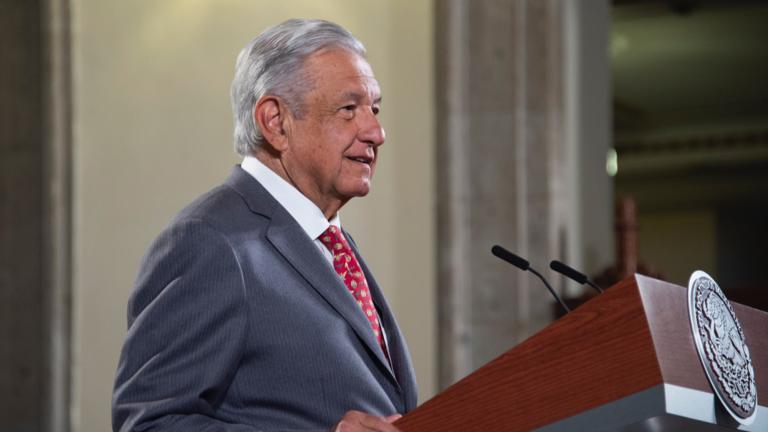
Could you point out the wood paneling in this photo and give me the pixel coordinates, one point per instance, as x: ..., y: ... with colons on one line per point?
x: 600, y: 352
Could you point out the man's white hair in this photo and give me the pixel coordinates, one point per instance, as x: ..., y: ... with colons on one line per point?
x: 272, y: 63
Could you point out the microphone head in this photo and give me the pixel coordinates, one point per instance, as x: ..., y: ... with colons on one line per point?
x: 568, y: 272
x: 509, y: 257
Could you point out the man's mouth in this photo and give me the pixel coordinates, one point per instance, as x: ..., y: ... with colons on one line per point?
x: 362, y: 159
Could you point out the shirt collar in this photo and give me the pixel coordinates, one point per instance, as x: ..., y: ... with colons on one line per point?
x: 302, y: 209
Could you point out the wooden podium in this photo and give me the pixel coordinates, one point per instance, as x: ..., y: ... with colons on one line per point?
x: 625, y: 360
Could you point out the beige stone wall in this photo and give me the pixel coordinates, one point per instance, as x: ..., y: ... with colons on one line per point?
x: 152, y: 130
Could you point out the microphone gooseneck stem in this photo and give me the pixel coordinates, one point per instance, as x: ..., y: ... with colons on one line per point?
x: 557, y: 297
x: 593, y: 285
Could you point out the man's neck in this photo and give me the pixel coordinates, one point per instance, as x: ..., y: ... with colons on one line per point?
x: 275, y: 164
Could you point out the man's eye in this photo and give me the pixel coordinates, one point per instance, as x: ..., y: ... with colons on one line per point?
x: 375, y: 110
x: 348, y: 108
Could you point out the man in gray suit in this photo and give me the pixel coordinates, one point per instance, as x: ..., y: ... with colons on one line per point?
x: 253, y: 310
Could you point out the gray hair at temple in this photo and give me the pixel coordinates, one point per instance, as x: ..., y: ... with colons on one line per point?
x: 272, y: 63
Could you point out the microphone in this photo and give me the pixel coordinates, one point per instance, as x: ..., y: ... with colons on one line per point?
x: 524, y: 265
x: 573, y: 274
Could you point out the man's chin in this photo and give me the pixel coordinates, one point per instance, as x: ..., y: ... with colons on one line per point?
x: 360, y: 189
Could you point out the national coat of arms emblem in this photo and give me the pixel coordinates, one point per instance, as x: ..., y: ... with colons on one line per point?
x: 722, y: 347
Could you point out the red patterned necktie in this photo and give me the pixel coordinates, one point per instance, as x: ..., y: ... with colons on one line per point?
x: 346, y: 265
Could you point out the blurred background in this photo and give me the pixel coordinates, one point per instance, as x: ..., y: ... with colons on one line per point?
x: 617, y: 136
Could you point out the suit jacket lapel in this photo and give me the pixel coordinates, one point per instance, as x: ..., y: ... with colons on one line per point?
x: 398, y: 351
x: 301, y: 252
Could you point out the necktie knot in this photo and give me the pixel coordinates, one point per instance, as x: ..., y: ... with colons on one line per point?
x: 334, y: 241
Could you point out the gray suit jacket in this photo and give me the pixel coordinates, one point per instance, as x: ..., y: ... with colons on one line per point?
x: 238, y: 323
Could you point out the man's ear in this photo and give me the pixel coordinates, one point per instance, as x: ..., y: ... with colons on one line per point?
x: 270, y: 113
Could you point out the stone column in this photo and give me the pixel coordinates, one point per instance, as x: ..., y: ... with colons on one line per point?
x: 503, y: 173
x: 22, y: 331
x: 499, y: 118
x: 34, y: 216
x: 56, y: 122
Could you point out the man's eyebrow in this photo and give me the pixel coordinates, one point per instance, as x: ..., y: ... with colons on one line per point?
x: 357, y: 97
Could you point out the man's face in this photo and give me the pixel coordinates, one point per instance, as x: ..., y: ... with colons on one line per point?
x: 332, y: 146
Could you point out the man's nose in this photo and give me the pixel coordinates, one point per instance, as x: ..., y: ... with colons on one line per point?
x: 371, y: 132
